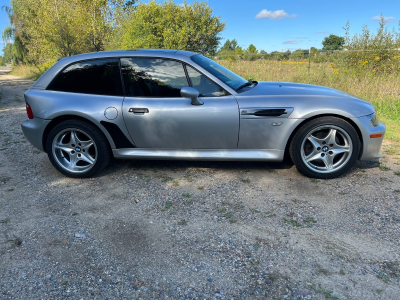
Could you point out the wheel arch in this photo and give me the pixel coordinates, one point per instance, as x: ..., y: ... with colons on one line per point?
x: 54, y: 122
x: 320, y: 116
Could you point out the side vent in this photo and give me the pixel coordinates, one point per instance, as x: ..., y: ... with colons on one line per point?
x: 117, y: 135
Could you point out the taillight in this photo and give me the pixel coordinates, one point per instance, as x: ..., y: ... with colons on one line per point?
x: 29, y: 111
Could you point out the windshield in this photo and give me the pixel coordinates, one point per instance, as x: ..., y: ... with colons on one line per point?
x: 222, y: 73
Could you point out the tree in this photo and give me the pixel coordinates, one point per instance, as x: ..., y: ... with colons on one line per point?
x: 263, y: 52
x: 8, y: 56
x: 333, y: 42
x: 252, y: 49
x: 45, y: 29
x: 1, y: 61
x: 167, y: 25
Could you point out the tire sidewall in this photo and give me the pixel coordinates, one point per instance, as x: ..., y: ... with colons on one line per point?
x: 95, y: 134
x: 295, y: 148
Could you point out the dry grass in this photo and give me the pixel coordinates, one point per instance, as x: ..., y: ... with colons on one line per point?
x: 26, y: 71
x: 383, y: 90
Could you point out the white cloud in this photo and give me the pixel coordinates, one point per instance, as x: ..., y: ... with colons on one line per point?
x: 387, y: 19
x: 323, y: 31
x: 290, y: 42
x: 274, y: 15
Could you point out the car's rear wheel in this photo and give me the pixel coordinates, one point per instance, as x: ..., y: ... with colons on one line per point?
x: 324, y: 148
x: 78, y: 149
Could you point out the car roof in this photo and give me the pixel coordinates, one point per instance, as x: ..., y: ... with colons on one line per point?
x: 46, y: 78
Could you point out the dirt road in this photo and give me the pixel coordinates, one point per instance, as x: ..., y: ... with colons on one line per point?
x: 192, y: 230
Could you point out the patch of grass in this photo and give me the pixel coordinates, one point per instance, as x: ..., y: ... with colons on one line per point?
x: 396, y: 191
x: 309, y: 220
x: 247, y: 180
x: 397, y: 173
x: 232, y: 220
x: 255, y: 262
x: 173, y: 213
x: 384, y: 277
x: 384, y: 168
x: 64, y: 282
x: 343, y: 193
x: 4, y: 179
x: 270, y: 214
x: 222, y: 210
x: 165, y: 177
x: 239, y: 206
x: 226, y: 203
x: 228, y: 215
x: 296, y: 201
x: 10, y: 190
x: 314, y: 180
x: 182, y: 222
x: 75, y: 213
x: 5, y: 221
x: 200, y: 188
x: 168, y: 205
x: 257, y: 246
x: 188, y: 178
x: 27, y: 71
x: 186, y: 195
x: 273, y: 277
x: 327, y: 293
x: 292, y: 222
x: 175, y: 182
x: 254, y: 210
x: 341, y: 272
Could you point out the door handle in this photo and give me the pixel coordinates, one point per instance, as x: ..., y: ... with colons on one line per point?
x: 139, y: 110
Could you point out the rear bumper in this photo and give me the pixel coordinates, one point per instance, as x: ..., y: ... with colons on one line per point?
x: 33, y: 130
x: 372, y: 147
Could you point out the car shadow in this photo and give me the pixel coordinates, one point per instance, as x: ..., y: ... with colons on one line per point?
x: 182, y: 165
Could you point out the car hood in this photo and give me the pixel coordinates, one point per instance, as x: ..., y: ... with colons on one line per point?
x: 306, y: 99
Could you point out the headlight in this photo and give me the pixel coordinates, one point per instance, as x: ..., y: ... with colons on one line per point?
x: 374, y: 119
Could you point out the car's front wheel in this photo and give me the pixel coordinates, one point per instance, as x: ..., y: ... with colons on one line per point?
x: 78, y: 149
x: 324, y: 148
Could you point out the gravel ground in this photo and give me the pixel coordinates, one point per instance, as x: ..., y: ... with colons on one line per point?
x: 192, y: 230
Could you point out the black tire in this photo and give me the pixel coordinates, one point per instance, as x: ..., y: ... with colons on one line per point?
x: 101, y: 149
x: 345, y: 161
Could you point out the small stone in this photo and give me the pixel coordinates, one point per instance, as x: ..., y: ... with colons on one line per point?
x: 209, y: 279
x: 80, y: 235
x: 268, y: 281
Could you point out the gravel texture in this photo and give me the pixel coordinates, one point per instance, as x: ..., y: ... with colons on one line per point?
x: 192, y: 230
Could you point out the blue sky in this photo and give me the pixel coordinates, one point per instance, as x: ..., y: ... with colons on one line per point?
x: 290, y: 25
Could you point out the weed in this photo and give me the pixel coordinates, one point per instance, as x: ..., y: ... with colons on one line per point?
x: 200, y: 188
x: 173, y: 213
x: 175, y: 182
x: 222, y: 210
x: 165, y: 177
x: 327, y: 293
x: 168, y: 205
x: 341, y: 272
x: 343, y: 193
x: 270, y: 214
x: 273, y: 277
x: 228, y: 215
x: 309, y: 219
x: 314, y: 180
x: 257, y: 246
x: 75, y: 213
x: 384, y: 168
x: 226, y: 203
x: 182, y: 222
x: 255, y: 262
x: 396, y: 191
x: 64, y: 282
x: 293, y: 222
x: 254, y: 210
x: 247, y: 180
x: 5, y: 221
x: 4, y: 179
x: 295, y: 201
x: 384, y: 277
x: 232, y: 220
x: 379, y: 291
x: 239, y: 206
x: 186, y: 195
x: 10, y: 190
x: 188, y: 178
x: 397, y: 173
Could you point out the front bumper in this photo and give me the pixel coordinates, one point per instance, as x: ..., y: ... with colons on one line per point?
x: 33, y: 130
x: 372, y: 147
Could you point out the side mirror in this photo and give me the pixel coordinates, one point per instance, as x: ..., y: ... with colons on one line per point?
x: 189, y: 92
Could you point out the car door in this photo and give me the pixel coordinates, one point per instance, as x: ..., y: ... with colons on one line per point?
x: 157, y: 116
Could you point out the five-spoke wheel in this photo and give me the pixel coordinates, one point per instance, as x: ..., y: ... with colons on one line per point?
x: 326, y: 147
x: 77, y: 148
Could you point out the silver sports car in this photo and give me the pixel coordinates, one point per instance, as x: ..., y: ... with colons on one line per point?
x: 167, y: 104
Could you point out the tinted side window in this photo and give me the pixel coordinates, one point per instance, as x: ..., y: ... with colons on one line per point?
x: 100, y: 77
x: 205, y: 86
x: 153, y: 77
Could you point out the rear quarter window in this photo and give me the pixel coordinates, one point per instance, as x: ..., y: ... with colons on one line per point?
x: 99, y: 77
